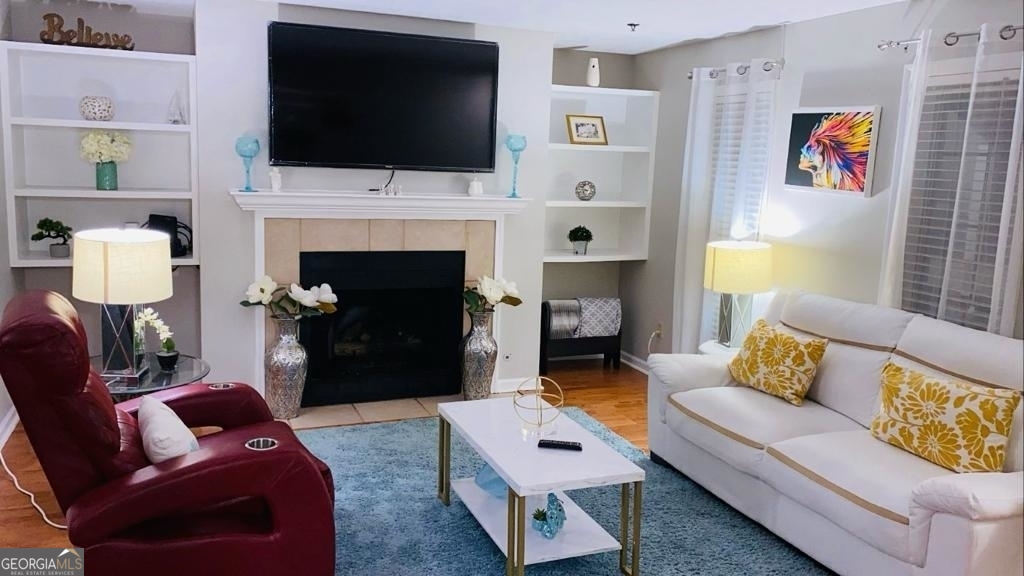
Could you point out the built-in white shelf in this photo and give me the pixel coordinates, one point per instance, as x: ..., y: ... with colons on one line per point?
x: 594, y: 204
x: 41, y: 129
x: 590, y: 92
x: 580, y: 535
x: 62, y: 51
x: 599, y: 148
x: 592, y: 255
x: 622, y: 171
x: 97, y: 125
x: 84, y: 193
x: 43, y: 260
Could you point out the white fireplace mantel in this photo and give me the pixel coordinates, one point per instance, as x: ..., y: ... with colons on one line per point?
x: 266, y: 204
x: 347, y: 204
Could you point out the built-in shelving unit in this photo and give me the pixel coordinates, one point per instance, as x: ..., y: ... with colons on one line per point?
x: 623, y: 171
x: 44, y: 176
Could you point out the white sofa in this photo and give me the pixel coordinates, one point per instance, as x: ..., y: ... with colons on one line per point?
x: 814, y: 474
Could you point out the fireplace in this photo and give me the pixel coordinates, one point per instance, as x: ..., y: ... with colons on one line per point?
x: 397, y: 330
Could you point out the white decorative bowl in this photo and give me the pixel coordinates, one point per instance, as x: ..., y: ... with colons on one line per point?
x: 96, y: 108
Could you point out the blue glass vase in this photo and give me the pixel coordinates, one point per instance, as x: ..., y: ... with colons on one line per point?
x: 247, y: 147
x: 515, y: 143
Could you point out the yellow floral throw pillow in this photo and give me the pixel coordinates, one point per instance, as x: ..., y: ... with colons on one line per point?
x: 777, y: 363
x: 960, y: 426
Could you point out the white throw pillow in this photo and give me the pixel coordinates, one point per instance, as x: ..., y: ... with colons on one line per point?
x: 164, y: 435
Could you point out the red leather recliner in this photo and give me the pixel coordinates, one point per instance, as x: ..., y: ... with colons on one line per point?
x: 223, y: 509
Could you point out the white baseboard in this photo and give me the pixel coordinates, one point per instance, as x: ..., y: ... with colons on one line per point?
x: 634, y: 362
x: 506, y: 385
x: 7, y: 423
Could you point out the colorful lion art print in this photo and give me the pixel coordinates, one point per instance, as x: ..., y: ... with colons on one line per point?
x: 832, y: 149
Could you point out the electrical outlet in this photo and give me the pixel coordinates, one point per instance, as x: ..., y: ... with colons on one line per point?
x: 507, y: 357
x: 657, y: 330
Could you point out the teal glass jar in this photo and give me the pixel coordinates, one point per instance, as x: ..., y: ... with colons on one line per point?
x: 106, y: 175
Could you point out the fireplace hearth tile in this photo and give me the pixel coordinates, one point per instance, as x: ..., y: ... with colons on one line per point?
x: 327, y: 235
x: 479, y: 249
x: 435, y: 234
x: 391, y: 410
x: 387, y: 235
x: 324, y: 416
x: 430, y: 404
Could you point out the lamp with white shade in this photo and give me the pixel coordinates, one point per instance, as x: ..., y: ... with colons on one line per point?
x: 736, y: 268
x: 121, y: 269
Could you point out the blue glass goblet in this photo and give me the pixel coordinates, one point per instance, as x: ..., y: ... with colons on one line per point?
x: 515, y: 143
x: 247, y: 147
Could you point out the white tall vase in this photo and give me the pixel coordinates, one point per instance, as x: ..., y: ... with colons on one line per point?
x: 593, y: 73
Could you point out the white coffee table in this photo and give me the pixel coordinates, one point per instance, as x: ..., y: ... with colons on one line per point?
x: 492, y: 428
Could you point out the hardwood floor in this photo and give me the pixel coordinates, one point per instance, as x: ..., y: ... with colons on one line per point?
x: 617, y: 398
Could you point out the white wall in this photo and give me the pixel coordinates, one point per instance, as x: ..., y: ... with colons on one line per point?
x: 232, y: 72
x: 231, y: 67
x: 524, y: 105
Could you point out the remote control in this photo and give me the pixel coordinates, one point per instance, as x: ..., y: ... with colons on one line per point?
x: 560, y: 445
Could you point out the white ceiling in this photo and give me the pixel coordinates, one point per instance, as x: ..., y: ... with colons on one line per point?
x: 598, y: 25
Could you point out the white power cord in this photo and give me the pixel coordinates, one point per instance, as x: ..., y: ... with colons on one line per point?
x: 650, y: 341
x: 31, y: 496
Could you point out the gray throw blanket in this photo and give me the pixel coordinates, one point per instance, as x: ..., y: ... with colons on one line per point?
x: 585, y: 317
x: 599, y: 317
x: 565, y: 318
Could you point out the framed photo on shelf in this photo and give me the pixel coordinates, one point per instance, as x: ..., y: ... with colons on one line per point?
x: 832, y: 149
x: 585, y: 129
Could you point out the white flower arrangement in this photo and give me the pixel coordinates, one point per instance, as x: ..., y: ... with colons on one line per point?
x: 293, y: 301
x: 489, y: 292
x: 163, y: 331
x: 100, y: 146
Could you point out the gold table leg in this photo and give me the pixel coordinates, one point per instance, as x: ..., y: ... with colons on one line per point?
x: 444, y: 456
x: 624, y: 529
x: 515, y: 558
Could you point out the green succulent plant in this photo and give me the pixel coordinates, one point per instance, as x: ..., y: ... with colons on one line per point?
x: 49, y: 228
x: 580, y: 234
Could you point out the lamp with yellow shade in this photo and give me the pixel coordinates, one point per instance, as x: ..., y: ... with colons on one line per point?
x: 121, y: 269
x: 736, y: 268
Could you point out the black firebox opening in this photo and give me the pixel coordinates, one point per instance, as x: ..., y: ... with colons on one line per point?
x: 397, y: 330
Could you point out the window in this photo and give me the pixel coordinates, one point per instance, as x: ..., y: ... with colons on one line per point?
x: 963, y: 214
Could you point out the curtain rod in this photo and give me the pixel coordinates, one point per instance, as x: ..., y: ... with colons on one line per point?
x: 1006, y: 33
x: 742, y: 69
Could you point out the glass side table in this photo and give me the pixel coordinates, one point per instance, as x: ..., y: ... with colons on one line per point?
x: 189, y: 369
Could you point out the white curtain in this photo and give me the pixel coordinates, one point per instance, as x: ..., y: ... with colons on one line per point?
x: 725, y: 167
x: 955, y: 242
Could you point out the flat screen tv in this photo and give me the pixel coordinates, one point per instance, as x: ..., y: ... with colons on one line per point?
x: 348, y: 98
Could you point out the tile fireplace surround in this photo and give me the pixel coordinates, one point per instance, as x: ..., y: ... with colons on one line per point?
x: 290, y: 222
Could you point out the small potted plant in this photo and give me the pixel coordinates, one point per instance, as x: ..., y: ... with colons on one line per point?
x: 49, y: 228
x: 167, y: 356
x: 580, y: 237
x: 540, y: 519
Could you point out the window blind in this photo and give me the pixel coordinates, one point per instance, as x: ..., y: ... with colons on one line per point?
x: 955, y: 218
x: 740, y: 146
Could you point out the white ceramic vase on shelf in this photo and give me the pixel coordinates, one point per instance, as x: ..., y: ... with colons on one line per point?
x: 593, y: 73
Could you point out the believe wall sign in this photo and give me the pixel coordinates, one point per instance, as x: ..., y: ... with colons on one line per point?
x: 54, y: 33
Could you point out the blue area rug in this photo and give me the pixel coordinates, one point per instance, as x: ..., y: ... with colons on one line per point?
x: 390, y: 522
